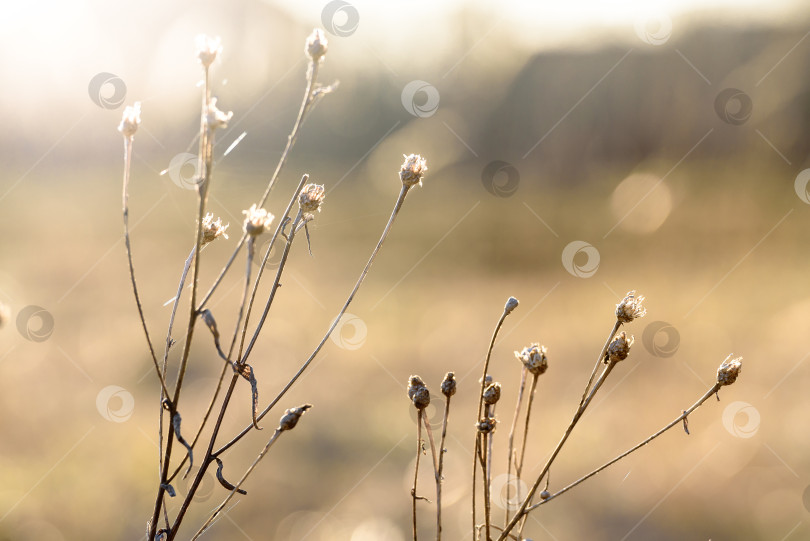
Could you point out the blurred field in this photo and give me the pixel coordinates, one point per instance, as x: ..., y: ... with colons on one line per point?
x: 632, y: 156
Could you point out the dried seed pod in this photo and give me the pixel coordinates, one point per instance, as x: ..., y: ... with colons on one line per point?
x: 492, y: 394
x: 630, y: 308
x: 291, y: 416
x: 511, y: 304
x: 413, y: 170
x: 534, y: 358
x: 729, y: 370
x: 449, y: 385
x: 619, y: 348
x: 486, y: 425
x: 421, y: 398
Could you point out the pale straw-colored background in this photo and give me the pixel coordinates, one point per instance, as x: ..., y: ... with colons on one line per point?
x: 670, y: 146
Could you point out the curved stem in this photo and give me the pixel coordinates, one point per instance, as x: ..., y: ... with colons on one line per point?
x: 677, y: 420
x: 416, y: 468
x: 510, y: 458
x: 403, y: 192
x: 600, y: 359
x: 522, y: 509
x: 440, y: 470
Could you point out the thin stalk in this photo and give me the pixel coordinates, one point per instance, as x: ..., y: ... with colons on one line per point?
x: 519, y: 464
x: 416, y: 468
x: 205, y: 164
x: 222, y: 272
x: 676, y: 421
x: 398, y: 205
x: 600, y: 359
x: 125, y: 204
x: 510, y: 458
x: 580, y: 410
x: 209, y: 454
x: 222, y: 505
x: 440, y: 469
x: 476, y: 454
x: 488, y: 439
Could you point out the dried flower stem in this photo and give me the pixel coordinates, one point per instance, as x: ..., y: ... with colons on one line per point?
x: 416, y: 467
x: 510, y: 458
x: 676, y: 421
x: 440, y: 470
x: 125, y: 205
x: 236, y: 487
x: 519, y: 464
x: 397, y: 207
x: 580, y: 411
x: 600, y: 359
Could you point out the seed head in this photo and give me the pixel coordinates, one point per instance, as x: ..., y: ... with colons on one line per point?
x: 619, y: 348
x: 130, y: 120
x: 311, y: 198
x: 534, y: 358
x: 729, y: 370
x: 214, y: 118
x: 414, y: 382
x: 492, y: 394
x: 511, y: 304
x: 256, y: 220
x: 213, y: 229
x: 449, y: 385
x: 291, y: 416
x: 413, y: 169
x: 316, y: 45
x: 208, y: 49
x: 421, y: 398
x: 486, y: 425
x: 630, y: 308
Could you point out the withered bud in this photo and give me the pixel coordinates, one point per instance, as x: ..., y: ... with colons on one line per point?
x: 511, y: 304
x: 492, y: 394
x: 421, y: 398
x: 311, y: 198
x: 486, y: 425
x: 413, y: 170
x: 316, y: 45
x: 256, y: 220
x: 545, y: 495
x: 213, y: 229
x: 291, y: 416
x: 207, y: 49
x: 630, y: 308
x: 729, y: 370
x: 534, y: 358
x: 449, y: 384
x: 130, y: 120
x: 414, y: 382
x: 619, y: 348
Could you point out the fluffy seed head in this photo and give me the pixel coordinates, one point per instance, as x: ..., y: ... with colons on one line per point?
x: 413, y: 169
x: 492, y: 394
x: 630, y: 308
x: 311, y: 198
x: 729, y: 370
x: 534, y: 358
x: 316, y: 45
x: 215, y: 118
x: 213, y: 229
x: 619, y: 348
x: 130, y: 120
x: 449, y: 384
x: 256, y: 220
x: 207, y: 49
x: 291, y: 416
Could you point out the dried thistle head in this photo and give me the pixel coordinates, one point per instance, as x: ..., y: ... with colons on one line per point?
x: 316, y: 45
x: 207, y: 49
x: 619, y: 348
x: 534, y: 358
x: 291, y: 416
x: 492, y: 394
x: 130, y: 120
x: 486, y: 425
x: 449, y: 384
x: 213, y: 229
x: 630, y: 308
x: 256, y: 220
x: 5, y: 315
x: 413, y: 170
x: 311, y: 198
x: 729, y: 370
x: 511, y: 304
x: 214, y: 118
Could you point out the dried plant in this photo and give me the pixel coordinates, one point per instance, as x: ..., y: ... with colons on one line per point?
x: 235, y: 352
x: 534, y: 360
